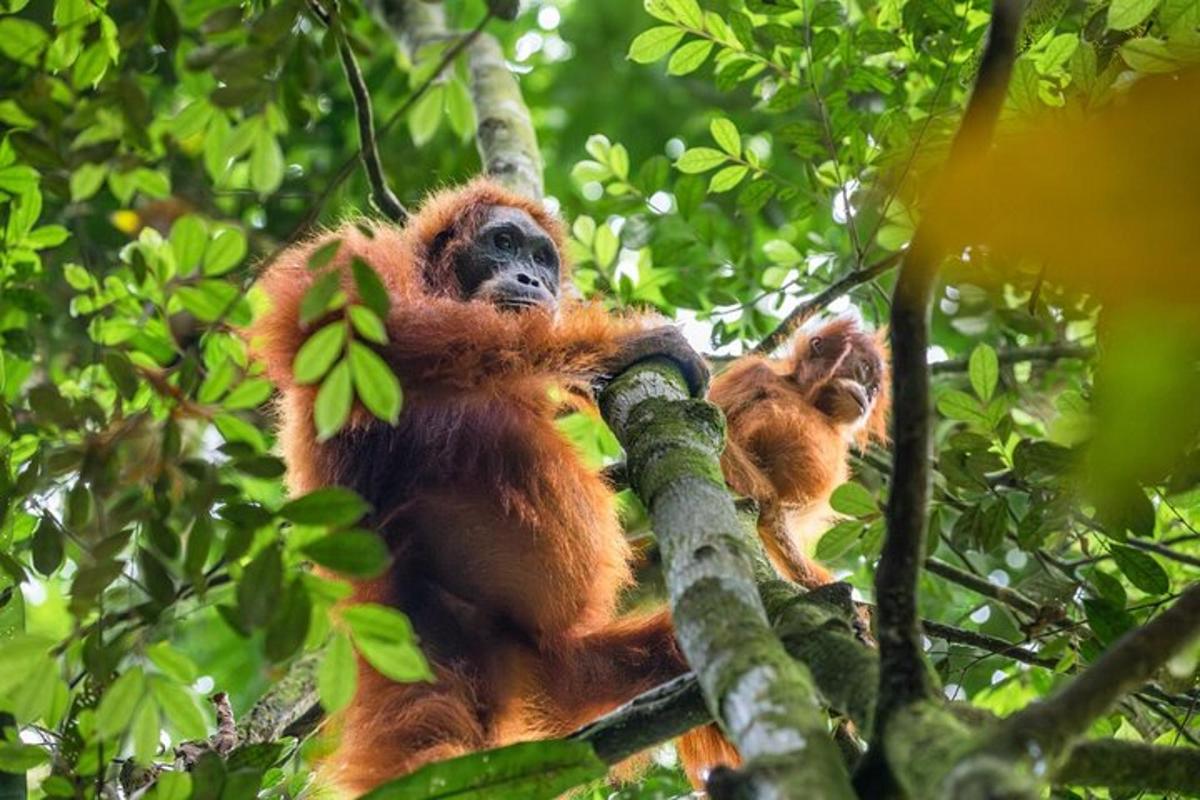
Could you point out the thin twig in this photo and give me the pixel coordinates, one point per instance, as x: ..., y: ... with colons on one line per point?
x: 803, y: 312
x: 1015, y: 355
x: 382, y: 196
x: 1002, y: 594
x: 344, y: 171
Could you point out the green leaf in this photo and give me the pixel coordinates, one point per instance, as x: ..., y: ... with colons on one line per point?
x: 983, y: 368
x: 90, y: 66
x: 47, y: 547
x: 145, y: 731
x: 179, y: 707
x: 172, y: 786
x: 425, y: 117
x: 853, y: 499
x: 1141, y: 568
x: 208, y: 299
x: 1126, y: 14
x: 605, y: 245
x: 337, y: 677
x: 838, y: 540
x: 259, y: 588
x: 376, y: 385
x: 654, y: 44
x: 1106, y: 620
x: 368, y: 324
x: 323, y: 254
x: 725, y: 133
x: 319, y: 297
x: 173, y: 662
x: 356, y: 553
x: 688, y: 58
x: 1150, y: 55
x: 725, y: 179
x: 250, y: 393
x: 86, y: 180
x: 333, y: 506
x: 954, y: 404
x: 225, y: 251
x: 317, y: 354
x: 371, y: 291
x: 266, y: 163
x: 384, y: 637
x: 21, y: 40
x: 189, y: 235
x: 700, y: 159
x: 688, y: 12
x: 460, y: 110
x: 119, y: 701
x: 529, y: 770
x: 288, y: 629
x: 334, y: 401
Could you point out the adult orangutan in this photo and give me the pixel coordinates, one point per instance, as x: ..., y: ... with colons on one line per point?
x: 508, y: 555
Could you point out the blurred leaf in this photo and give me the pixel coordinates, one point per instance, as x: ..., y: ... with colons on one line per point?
x: 386, y: 640
x: 357, y: 553
x: 375, y: 384
x: 854, y: 500
x: 338, y: 673
x: 1142, y: 570
x: 288, y: 629
x: 1125, y: 14
x: 371, y: 290
x: 319, y: 351
x: 334, y: 401
x: 531, y: 770
x: 332, y: 506
x: 654, y: 44
x: 260, y: 587
x: 984, y: 371
x: 179, y: 708
x: 838, y: 540
x: 119, y: 701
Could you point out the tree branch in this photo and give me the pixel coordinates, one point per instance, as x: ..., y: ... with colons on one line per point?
x: 903, y: 675
x: 381, y: 194
x: 1129, y: 663
x: 803, y: 312
x: 347, y: 167
x: 504, y: 131
x: 991, y: 644
x: 1002, y: 594
x: 766, y: 702
x: 1133, y: 766
x: 1014, y: 355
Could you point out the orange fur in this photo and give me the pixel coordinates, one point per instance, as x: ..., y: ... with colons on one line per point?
x: 787, y: 454
x: 508, y: 555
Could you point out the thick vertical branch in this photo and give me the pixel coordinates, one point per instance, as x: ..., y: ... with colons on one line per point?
x: 903, y: 675
x: 766, y: 702
x: 504, y: 131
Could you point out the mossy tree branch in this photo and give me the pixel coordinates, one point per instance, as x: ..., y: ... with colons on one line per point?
x: 766, y: 702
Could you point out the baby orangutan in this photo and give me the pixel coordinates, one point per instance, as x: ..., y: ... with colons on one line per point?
x: 791, y: 424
